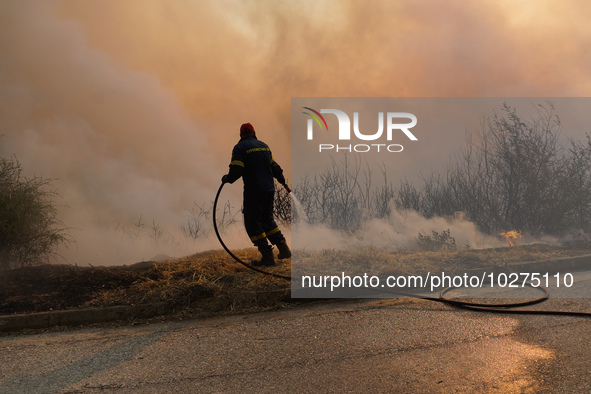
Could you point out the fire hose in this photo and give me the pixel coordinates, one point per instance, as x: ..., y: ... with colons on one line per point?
x: 472, y: 306
x: 217, y: 233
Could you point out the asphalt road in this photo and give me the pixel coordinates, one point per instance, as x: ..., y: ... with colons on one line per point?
x: 401, y: 345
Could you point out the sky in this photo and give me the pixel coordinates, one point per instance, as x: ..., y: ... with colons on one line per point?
x: 133, y: 107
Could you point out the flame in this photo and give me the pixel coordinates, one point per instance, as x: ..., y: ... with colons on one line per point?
x: 510, y: 236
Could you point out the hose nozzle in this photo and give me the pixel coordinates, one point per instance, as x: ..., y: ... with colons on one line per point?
x: 287, y: 188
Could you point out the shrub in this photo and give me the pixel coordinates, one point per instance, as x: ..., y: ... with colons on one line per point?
x: 438, y: 241
x: 342, y: 196
x: 30, y: 232
x: 282, y: 207
x: 513, y: 174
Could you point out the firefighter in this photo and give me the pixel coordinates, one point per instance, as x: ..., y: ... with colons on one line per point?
x: 252, y: 160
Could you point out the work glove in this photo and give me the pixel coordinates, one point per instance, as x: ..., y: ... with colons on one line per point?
x: 225, y: 179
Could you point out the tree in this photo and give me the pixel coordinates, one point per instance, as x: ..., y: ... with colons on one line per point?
x: 513, y: 174
x: 30, y: 231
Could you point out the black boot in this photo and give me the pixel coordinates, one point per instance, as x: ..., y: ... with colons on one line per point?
x: 284, y: 252
x: 267, y: 259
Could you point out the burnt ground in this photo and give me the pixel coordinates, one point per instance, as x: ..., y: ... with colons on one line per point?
x: 59, y: 287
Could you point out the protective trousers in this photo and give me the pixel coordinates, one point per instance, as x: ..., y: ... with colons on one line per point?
x: 258, y: 219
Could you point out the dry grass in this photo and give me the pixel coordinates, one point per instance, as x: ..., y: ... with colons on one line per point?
x: 410, y: 262
x: 212, y: 282
x: 209, y: 282
x: 205, y: 282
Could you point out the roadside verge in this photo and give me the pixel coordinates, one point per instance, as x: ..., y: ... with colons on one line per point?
x: 74, y: 317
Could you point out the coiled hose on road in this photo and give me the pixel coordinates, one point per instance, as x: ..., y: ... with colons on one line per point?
x: 477, y: 307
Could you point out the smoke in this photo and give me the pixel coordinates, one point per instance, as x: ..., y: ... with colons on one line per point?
x: 133, y: 107
x: 400, y: 230
x: 116, y: 141
x: 247, y: 59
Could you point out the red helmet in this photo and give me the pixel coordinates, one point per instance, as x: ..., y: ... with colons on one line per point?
x: 246, y: 130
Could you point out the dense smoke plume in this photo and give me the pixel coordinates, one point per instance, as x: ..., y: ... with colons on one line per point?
x: 117, y: 142
x: 133, y: 107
